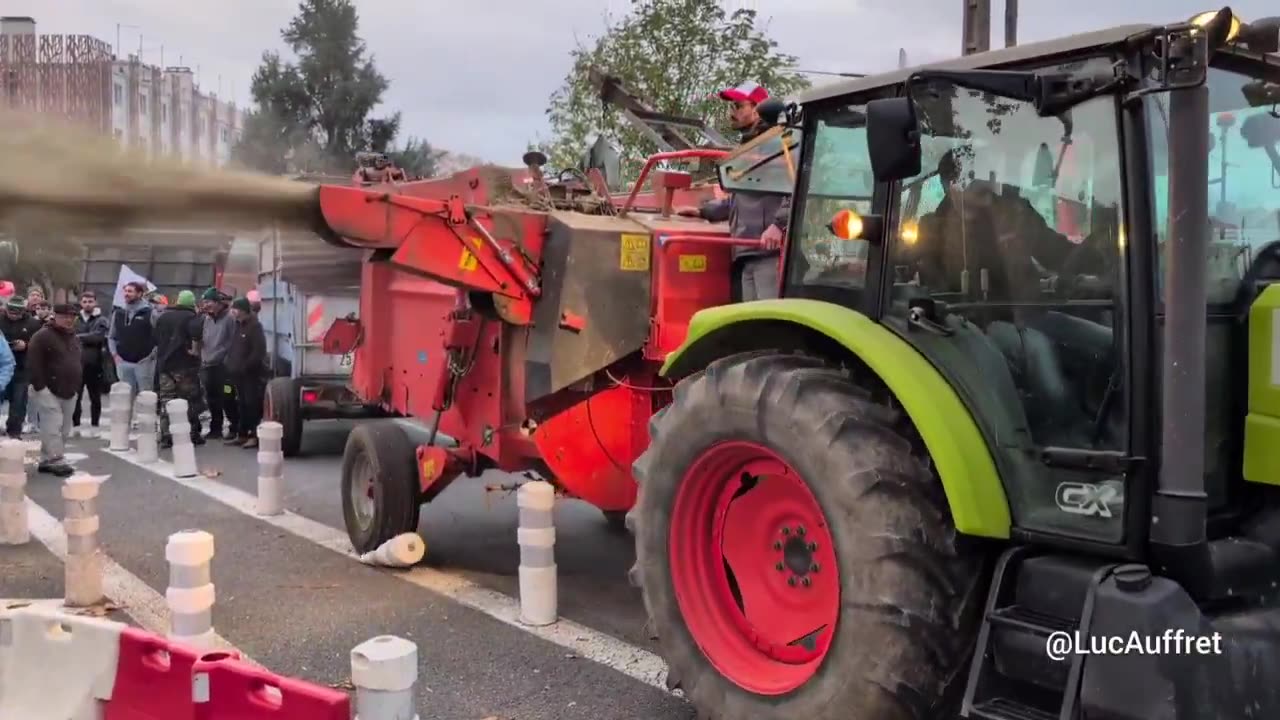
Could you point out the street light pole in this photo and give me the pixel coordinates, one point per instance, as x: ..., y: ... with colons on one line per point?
x: 976, y: 27
x: 1010, y: 23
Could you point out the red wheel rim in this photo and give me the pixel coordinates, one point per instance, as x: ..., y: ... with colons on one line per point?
x: 754, y: 568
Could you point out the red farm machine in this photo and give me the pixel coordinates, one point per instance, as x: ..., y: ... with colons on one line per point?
x: 521, y: 319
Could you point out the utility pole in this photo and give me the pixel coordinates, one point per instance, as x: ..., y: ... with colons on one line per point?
x: 976, y: 27
x: 1010, y: 23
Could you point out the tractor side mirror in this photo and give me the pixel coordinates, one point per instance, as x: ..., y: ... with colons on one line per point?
x: 771, y: 110
x: 1260, y: 130
x: 893, y: 139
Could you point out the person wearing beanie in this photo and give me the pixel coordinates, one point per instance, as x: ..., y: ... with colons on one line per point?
x: 178, y: 332
x: 246, y: 365
x: 18, y: 327
x: 215, y: 340
x: 55, y: 366
x: 92, y: 328
x: 132, y: 340
x: 255, y: 301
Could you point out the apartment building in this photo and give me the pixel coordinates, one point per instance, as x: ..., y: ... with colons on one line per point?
x: 162, y: 111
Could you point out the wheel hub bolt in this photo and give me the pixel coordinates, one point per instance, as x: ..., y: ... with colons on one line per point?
x: 777, y: 545
x: 813, y: 547
x: 779, y: 567
x: 786, y: 530
x: 814, y: 567
x: 791, y: 581
x: 806, y: 582
x: 800, y: 531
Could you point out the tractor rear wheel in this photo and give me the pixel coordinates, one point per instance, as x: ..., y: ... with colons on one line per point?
x: 380, y: 496
x: 796, y: 553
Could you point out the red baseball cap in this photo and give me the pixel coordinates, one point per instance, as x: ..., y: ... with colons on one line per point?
x: 746, y: 91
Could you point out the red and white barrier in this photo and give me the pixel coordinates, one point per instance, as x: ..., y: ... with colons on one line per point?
x: 82, y: 650
x: 106, y: 670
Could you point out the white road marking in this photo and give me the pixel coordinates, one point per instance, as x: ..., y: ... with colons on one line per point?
x: 134, y: 596
x: 583, y: 641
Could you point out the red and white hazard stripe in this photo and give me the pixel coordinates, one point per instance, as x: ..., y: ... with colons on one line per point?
x: 315, y: 319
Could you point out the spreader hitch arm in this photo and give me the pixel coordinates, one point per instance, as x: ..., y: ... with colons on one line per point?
x: 440, y: 239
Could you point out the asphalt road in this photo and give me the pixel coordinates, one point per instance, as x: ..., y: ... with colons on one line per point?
x: 469, y: 530
x: 298, y: 607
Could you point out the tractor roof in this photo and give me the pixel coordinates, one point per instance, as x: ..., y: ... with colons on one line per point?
x: 1069, y: 45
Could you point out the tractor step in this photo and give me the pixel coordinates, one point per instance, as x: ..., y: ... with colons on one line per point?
x: 1032, y: 597
x: 1006, y: 709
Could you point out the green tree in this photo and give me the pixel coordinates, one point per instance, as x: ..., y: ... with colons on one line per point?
x: 676, y: 54
x: 312, y: 114
x: 417, y: 158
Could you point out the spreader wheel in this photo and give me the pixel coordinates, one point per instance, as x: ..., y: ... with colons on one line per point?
x: 796, y: 553
x: 380, y: 497
x: 282, y: 404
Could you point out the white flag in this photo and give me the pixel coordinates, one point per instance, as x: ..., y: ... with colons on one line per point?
x: 127, y: 275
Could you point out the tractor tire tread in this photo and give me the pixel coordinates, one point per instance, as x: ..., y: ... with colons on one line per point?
x: 906, y: 631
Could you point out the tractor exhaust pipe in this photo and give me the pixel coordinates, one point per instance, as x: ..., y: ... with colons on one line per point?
x: 1179, y: 510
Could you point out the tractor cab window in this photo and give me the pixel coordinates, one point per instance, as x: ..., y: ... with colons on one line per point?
x: 1244, y: 217
x: 1244, y: 181
x: 1004, y: 269
x: 839, y: 178
x: 766, y: 164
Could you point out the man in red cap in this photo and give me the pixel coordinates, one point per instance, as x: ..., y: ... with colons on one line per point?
x: 750, y: 215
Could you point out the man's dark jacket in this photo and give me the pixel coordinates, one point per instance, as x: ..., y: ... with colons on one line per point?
x: 92, y: 331
x: 176, y: 329
x: 749, y: 214
x: 54, y: 362
x: 23, y: 329
x: 247, y: 356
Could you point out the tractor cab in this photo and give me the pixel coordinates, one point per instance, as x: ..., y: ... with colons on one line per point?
x: 1027, y: 350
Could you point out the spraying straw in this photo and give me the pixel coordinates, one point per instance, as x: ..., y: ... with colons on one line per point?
x: 68, y: 176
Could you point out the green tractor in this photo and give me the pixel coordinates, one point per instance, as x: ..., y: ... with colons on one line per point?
x: 1001, y: 449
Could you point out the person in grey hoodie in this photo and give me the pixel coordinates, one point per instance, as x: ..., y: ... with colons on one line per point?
x: 215, y: 341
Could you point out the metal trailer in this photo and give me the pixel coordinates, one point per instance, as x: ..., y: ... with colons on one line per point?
x: 304, y: 288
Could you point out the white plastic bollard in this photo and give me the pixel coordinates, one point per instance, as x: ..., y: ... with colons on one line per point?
x: 83, y: 566
x: 384, y: 670
x: 537, y: 538
x: 14, y: 529
x: 148, y: 427
x: 190, y: 594
x: 270, y: 468
x: 120, y: 413
x: 402, y: 551
x: 184, y: 453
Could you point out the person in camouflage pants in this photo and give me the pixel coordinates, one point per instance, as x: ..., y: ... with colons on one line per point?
x: 177, y: 335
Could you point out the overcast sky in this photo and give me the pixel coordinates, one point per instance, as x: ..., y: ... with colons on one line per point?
x: 473, y: 76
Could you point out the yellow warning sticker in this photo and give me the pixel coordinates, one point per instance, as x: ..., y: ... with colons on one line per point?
x: 693, y: 263
x: 429, y: 469
x: 468, y: 261
x: 635, y: 253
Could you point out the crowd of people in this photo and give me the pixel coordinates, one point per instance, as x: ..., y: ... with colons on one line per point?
x: 210, y: 351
